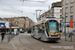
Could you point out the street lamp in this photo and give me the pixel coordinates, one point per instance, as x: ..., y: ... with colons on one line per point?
x: 65, y: 26
x: 61, y: 25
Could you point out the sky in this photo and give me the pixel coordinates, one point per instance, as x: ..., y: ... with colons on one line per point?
x: 27, y: 8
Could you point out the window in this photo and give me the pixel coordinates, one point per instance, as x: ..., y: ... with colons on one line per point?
x: 57, y: 16
x: 53, y: 27
x: 22, y: 18
x: 16, y: 22
x: 7, y: 19
x: 36, y: 29
x: 71, y: 18
x: 16, y: 19
x: 60, y: 10
x: 66, y: 9
x: 66, y: 18
x: 61, y: 21
x: 71, y: 9
x: 22, y: 25
x: 71, y: 0
x: 60, y: 16
x: 16, y: 25
x: 66, y: 1
x: 51, y: 10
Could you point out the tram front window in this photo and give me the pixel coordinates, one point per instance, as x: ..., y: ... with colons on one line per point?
x: 53, y: 27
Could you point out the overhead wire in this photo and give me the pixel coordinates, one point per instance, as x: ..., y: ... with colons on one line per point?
x: 33, y: 1
x: 43, y: 4
x: 22, y: 7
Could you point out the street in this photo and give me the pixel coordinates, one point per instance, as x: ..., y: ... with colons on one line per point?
x: 50, y: 22
x: 24, y: 41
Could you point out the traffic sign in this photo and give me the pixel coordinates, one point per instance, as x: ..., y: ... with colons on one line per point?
x: 71, y: 24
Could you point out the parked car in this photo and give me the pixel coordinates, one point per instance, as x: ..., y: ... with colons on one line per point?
x: 22, y: 31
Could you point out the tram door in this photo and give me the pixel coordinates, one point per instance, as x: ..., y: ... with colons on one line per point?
x: 36, y: 31
x: 42, y: 29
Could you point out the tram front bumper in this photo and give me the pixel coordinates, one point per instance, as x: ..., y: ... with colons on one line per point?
x: 53, y: 38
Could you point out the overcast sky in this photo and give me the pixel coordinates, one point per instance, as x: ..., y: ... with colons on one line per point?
x: 18, y: 8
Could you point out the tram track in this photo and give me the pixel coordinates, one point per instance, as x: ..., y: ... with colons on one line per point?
x: 25, y: 44
x: 40, y: 45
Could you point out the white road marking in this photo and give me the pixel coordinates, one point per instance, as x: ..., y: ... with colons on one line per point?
x: 42, y: 49
x: 24, y: 34
x: 13, y: 45
x: 21, y: 49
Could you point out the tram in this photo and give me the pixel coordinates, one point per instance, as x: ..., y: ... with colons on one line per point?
x: 46, y: 30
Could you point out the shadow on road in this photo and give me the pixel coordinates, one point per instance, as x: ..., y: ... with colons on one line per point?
x: 50, y: 42
x: 46, y: 41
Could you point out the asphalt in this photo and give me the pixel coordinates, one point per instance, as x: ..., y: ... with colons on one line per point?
x: 24, y: 41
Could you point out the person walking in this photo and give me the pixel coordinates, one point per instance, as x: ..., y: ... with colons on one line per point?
x: 3, y: 31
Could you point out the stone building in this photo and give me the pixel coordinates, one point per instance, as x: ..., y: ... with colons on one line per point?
x: 56, y: 10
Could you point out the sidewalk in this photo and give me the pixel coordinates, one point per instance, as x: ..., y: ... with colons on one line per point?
x: 68, y: 39
x: 5, y: 45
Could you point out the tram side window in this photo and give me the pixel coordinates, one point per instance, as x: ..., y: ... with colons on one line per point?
x: 32, y: 30
x: 36, y: 30
x: 57, y: 26
x: 41, y: 29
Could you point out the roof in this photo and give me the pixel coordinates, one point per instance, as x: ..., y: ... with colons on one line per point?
x: 1, y: 19
x: 57, y: 4
x: 44, y: 20
x: 10, y: 19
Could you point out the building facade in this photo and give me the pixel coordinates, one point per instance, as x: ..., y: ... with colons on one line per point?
x: 1, y: 19
x: 56, y: 10
x: 22, y: 22
x: 44, y: 15
x: 16, y: 21
x: 68, y: 13
x: 19, y: 22
x: 68, y: 9
x: 29, y: 23
x: 4, y: 24
x: 11, y: 21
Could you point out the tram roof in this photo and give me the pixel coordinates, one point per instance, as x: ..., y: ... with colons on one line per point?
x: 44, y: 20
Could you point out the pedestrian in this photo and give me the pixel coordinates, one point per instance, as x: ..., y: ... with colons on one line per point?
x: 3, y: 31
x: 70, y: 34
